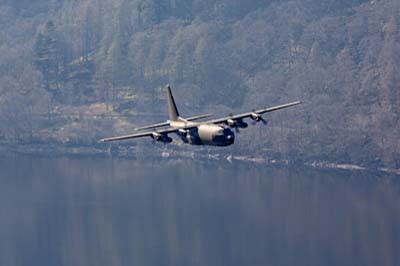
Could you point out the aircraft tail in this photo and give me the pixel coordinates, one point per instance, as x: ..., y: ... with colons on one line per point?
x: 172, y: 110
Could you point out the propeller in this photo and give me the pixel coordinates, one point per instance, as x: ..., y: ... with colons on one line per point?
x: 233, y: 124
x: 154, y: 137
x: 265, y: 122
x: 257, y: 118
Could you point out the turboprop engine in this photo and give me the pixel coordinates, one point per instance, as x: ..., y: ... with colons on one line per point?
x: 238, y: 123
x: 161, y: 137
x: 189, y: 136
x: 257, y: 118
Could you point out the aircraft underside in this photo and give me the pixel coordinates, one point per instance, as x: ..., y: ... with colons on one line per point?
x: 211, y: 135
x: 195, y: 139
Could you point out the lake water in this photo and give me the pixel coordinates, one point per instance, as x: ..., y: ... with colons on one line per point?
x: 82, y: 211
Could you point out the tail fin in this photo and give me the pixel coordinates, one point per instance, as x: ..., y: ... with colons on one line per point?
x: 172, y: 110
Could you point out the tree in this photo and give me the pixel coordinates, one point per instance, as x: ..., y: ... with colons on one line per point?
x: 48, y: 57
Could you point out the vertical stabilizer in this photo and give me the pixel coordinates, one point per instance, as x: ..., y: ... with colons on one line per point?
x: 172, y: 110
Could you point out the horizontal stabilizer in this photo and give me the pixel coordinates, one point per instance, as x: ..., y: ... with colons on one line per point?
x: 154, y: 126
x: 165, y: 124
x: 198, y: 117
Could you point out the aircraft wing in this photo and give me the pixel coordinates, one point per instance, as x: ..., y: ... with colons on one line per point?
x: 252, y: 113
x: 131, y: 136
x: 147, y: 134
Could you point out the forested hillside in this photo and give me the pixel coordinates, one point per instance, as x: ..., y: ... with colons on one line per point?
x: 72, y: 71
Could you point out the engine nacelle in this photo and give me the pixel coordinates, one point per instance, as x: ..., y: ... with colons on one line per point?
x: 183, y: 132
x: 256, y: 117
x: 161, y: 137
x: 236, y: 123
x: 231, y: 122
x: 156, y: 136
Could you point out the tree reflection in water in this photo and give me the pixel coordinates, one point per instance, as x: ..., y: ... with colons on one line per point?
x: 83, y: 211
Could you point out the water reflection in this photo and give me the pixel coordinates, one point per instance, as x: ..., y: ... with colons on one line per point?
x: 127, y: 212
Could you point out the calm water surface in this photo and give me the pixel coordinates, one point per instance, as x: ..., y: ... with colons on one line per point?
x: 83, y: 211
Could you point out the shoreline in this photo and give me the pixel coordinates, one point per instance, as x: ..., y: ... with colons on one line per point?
x: 129, y: 151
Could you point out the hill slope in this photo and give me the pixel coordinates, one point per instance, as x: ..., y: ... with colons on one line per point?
x: 113, y: 57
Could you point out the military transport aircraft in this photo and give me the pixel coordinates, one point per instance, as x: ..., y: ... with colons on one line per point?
x: 215, y: 132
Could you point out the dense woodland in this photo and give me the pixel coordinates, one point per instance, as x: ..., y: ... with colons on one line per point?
x: 73, y: 71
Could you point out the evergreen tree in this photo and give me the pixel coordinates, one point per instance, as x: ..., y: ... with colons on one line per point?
x: 47, y: 56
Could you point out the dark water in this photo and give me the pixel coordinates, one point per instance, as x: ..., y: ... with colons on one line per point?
x: 128, y: 212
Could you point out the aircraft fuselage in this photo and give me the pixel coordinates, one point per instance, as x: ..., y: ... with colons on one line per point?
x: 205, y: 134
